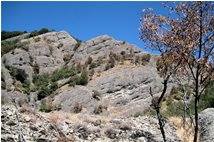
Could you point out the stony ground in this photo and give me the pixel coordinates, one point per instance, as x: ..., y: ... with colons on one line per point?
x: 58, y: 126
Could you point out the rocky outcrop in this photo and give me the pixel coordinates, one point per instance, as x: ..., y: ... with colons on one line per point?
x: 79, y: 94
x: 100, y: 47
x: 124, y: 88
x: 206, y: 119
x: 120, y: 76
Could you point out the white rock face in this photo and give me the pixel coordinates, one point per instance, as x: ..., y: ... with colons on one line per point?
x: 206, y: 119
x: 101, y: 46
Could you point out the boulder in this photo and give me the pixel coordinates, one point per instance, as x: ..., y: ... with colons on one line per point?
x: 206, y: 120
x: 18, y: 57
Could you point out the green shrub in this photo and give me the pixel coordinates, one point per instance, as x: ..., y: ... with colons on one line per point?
x: 34, y: 33
x: 63, y: 73
x: 7, y: 46
x: 48, y: 106
x: 41, y: 31
x: 18, y: 74
x: 26, y: 86
x: 44, y: 107
x: 92, y: 65
x: 44, y: 91
x: 83, y: 78
x: 9, y: 34
x: 41, y: 80
x: 208, y: 97
x: 206, y: 100
x: 146, y: 58
x: 174, y: 109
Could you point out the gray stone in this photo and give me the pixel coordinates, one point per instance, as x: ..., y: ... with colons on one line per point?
x: 206, y: 120
x: 79, y: 94
x: 39, y: 49
x: 18, y: 58
x: 7, y: 78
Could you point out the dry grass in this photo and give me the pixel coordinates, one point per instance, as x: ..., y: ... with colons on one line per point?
x: 61, y: 116
x: 54, y: 118
x: 185, y: 134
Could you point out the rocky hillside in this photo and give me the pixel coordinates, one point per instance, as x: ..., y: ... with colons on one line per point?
x: 117, y: 74
x: 58, y: 88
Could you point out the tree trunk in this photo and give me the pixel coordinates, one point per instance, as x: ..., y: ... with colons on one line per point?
x: 157, y: 109
x: 196, y: 120
x: 197, y: 78
x: 160, y: 121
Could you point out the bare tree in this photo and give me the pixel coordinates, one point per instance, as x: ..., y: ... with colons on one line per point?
x: 167, y: 64
x: 188, y: 38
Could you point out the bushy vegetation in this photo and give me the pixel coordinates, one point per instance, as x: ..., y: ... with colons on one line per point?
x: 48, y: 106
x: 62, y: 73
x: 47, y: 83
x: 26, y: 85
x: 7, y: 46
x: 44, y: 85
x: 206, y: 100
x: 9, y: 34
x: 44, y: 107
x: 145, y: 58
x: 175, y: 106
x: 18, y: 74
x: 41, y: 31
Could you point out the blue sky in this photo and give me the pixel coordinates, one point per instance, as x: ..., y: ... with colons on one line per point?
x: 83, y: 20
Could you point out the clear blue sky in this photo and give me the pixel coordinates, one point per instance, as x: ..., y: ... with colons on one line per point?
x: 83, y: 20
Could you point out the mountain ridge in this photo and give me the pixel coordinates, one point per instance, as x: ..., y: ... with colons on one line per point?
x: 96, y: 90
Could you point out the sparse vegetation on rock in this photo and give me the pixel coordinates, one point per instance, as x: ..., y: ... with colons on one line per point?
x: 7, y: 46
